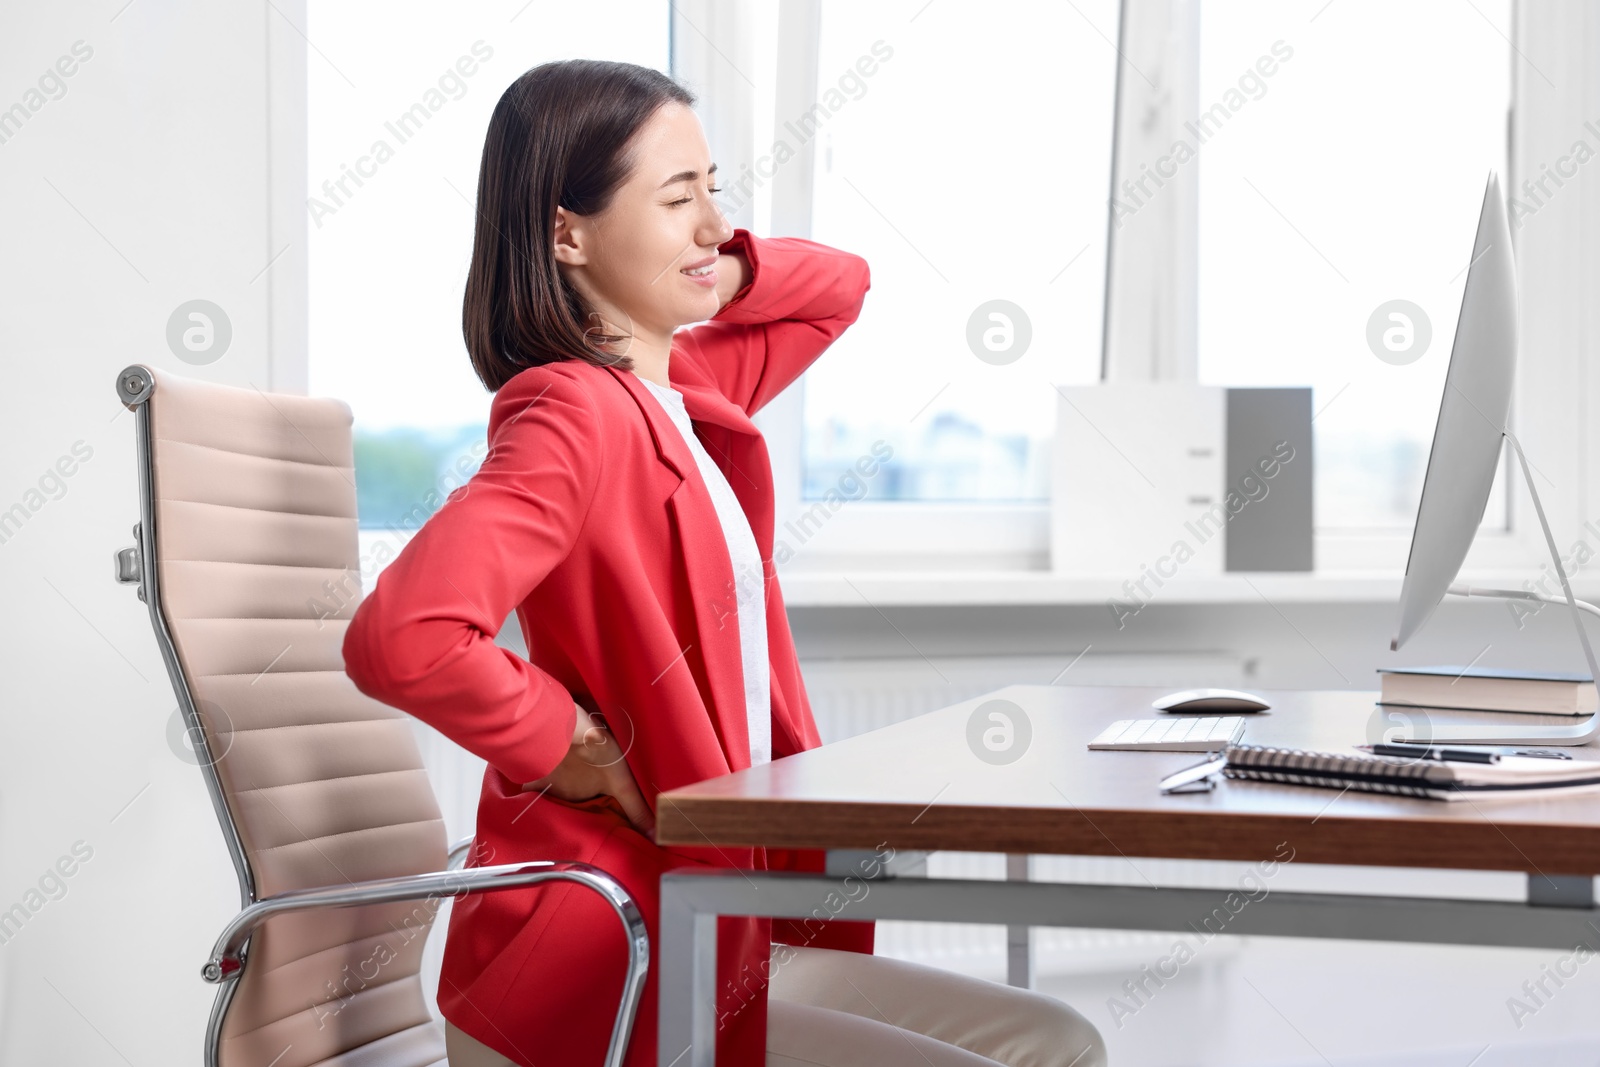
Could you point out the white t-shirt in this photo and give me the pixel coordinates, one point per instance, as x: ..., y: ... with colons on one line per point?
x: 748, y: 578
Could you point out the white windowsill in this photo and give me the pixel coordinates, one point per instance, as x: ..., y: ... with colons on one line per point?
x: 880, y: 588
x: 866, y: 586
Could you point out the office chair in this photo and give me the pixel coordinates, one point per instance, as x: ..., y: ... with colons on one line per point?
x: 246, y: 555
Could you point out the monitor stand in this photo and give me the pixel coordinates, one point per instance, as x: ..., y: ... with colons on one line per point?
x: 1509, y: 733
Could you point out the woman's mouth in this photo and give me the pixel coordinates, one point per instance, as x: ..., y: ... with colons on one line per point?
x: 705, y: 277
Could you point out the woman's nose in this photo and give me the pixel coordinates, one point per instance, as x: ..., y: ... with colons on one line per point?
x: 719, y: 227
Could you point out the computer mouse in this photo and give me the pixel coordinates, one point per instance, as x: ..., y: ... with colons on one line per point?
x: 1212, y: 700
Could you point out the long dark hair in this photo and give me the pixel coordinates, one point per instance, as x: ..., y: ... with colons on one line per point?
x: 556, y: 138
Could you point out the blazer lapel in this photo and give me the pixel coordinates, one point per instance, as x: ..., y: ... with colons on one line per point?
x: 708, y: 567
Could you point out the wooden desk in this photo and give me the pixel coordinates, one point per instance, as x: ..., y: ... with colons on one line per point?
x: 931, y: 783
x: 918, y: 785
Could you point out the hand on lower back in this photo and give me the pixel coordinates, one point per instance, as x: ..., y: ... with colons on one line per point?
x: 594, y: 766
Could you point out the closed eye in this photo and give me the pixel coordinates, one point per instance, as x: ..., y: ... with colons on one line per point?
x: 687, y: 199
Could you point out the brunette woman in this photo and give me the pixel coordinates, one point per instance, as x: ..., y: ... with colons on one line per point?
x: 624, y: 511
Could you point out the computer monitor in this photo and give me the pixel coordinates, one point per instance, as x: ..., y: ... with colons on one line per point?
x: 1461, y: 469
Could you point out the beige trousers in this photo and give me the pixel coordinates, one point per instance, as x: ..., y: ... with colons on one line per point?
x: 828, y: 1008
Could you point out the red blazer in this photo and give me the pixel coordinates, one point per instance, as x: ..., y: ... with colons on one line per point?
x: 590, y: 518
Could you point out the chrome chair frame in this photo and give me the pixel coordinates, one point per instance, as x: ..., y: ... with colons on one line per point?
x: 136, y: 566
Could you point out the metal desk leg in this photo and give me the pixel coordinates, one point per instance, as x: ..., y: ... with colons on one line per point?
x: 687, y: 984
x: 1555, y: 917
x: 690, y: 904
x: 1019, y: 937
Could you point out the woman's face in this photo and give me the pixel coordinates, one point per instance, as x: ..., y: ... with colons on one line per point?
x: 629, y: 260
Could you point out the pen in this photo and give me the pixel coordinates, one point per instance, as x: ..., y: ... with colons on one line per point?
x: 1539, y: 753
x: 1432, y: 752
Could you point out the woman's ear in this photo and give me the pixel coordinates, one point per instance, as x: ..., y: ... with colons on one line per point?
x: 568, y: 246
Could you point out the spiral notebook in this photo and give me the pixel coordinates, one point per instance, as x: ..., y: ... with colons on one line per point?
x: 1434, y: 779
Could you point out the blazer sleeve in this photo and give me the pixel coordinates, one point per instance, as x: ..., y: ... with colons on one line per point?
x: 423, y: 639
x: 800, y: 297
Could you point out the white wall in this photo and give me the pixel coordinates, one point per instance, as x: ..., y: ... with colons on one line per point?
x: 142, y: 185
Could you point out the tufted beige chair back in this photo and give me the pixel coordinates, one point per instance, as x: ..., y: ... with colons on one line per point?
x: 249, y: 520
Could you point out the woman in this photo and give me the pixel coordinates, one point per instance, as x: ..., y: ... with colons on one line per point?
x: 625, y: 511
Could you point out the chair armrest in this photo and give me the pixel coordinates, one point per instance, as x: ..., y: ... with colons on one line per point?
x: 227, y: 955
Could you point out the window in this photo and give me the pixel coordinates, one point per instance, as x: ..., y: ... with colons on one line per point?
x: 970, y: 169
x: 965, y: 151
x: 1351, y: 176
x: 1348, y: 177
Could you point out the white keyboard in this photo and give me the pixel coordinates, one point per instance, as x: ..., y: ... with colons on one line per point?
x: 1199, y: 733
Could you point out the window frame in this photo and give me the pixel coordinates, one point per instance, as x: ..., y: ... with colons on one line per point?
x: 890, y: 536
x: 1555, y: 254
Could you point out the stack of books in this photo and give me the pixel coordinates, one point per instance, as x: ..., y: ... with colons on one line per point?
x: 1490, y: 689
